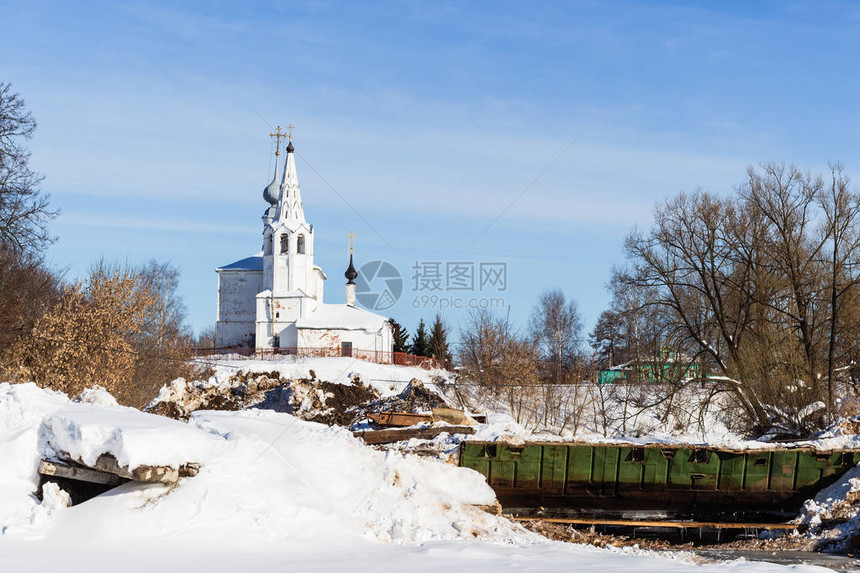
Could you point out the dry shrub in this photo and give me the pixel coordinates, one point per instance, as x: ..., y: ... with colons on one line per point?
x: 85, y: 339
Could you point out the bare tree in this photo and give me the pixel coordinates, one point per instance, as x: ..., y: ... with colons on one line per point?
x: 748, y: 283
x: 501, y: 363
x: 163, y: 344
x: 27, y: 290
x: 206, y: 338
x: 841, y: 244
x: 24, y: 208
x: 556, y: 327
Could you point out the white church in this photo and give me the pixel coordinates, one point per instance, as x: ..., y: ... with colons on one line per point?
x: 273, y: 301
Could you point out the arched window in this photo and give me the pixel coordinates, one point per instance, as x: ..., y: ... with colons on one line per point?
x: 285, y: 244
x: 300, y: 245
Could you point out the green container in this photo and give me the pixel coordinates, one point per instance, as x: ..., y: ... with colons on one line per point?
x: 681, y: 481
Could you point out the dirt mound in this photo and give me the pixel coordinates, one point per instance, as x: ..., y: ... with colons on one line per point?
x: 415, y: 398
x: 331, y: 404
x: 309, y: 399
x: 180, y: 398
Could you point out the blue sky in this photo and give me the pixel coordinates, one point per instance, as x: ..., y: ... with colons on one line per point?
x: 428, y: 118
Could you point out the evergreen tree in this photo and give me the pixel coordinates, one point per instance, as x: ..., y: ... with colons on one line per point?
x: 400, y: 335
x: 420, y: 341
x: 439, y: 342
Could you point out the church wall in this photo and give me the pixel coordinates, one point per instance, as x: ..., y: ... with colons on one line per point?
x: 234, y: 334
x: 319, y: 278
x: 236, y: 308
x: 276, y: 316
x: 236, y: 294
x: 362, y: 342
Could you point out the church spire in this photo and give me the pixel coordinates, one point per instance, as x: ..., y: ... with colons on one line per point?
x: 290, y: 203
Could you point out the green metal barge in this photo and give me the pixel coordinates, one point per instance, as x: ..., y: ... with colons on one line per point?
x: 668, y: 480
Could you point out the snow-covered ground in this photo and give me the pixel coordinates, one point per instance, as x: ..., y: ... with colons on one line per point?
x: 273, y: 492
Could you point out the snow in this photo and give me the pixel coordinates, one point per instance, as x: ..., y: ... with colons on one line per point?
x: 85, y: 431
x: 341, y: 317
x: 263, y: 474
x: 273, y: 492
x: 386, y: 379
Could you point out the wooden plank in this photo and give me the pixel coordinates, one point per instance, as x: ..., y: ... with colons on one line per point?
x: 107, y: 463
x: 398, y: 434
x: 453, y: 416
x: 78, y: 472
x: 399, y: 419
x: 150, y: 474
x: 403, y: 419
x: 672, y: 524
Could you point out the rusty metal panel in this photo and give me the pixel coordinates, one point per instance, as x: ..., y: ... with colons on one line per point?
x: 783, y: 468
x: 553, y: 469
x: 695, y: 469
x: 605, y: 469
x: 579, y: 465
x: 403, y: 419
x: 528, y: 465
x: 757, y: 471
x: 502, y: 474
x: 732, y: 471
x: 656, y: 469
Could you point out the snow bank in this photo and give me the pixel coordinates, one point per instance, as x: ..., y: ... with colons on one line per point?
x: 264, y: 475
x: 22, y: 408
x: 86, y: 431
x: 272, y: 490
x: 309, y: 469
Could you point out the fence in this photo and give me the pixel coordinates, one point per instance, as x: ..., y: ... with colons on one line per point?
x: 377, y: 356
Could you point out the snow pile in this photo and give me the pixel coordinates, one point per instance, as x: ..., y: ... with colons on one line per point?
x: 832, y: 517
x: 303, y: 468
x: 264, y: 475
x: 85, y: 431
x: 272, y: 490
x: 22, y: 408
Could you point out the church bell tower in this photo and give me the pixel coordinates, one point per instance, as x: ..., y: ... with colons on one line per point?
x: 288, y: 240
x: 292, y: 286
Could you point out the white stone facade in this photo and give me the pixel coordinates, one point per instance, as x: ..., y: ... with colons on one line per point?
x: 274, y: 299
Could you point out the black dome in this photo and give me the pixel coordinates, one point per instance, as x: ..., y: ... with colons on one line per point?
x: 350, y: 273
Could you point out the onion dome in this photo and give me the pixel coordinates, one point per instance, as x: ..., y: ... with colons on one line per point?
x: 270, y: 193
x: 350, y: 273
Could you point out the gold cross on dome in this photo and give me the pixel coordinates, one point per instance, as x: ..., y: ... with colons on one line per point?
x: 351, y: 237
x: 277, y: 135
x: 290, y: 127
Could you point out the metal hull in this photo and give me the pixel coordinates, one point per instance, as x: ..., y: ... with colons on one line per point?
x: 672, y: 481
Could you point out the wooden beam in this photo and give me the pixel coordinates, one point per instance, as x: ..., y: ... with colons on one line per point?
x: 399, y: 418
x: 71, y: 470
x: 396, y: 434
x: 672, y: 524
x: 107, y: 463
